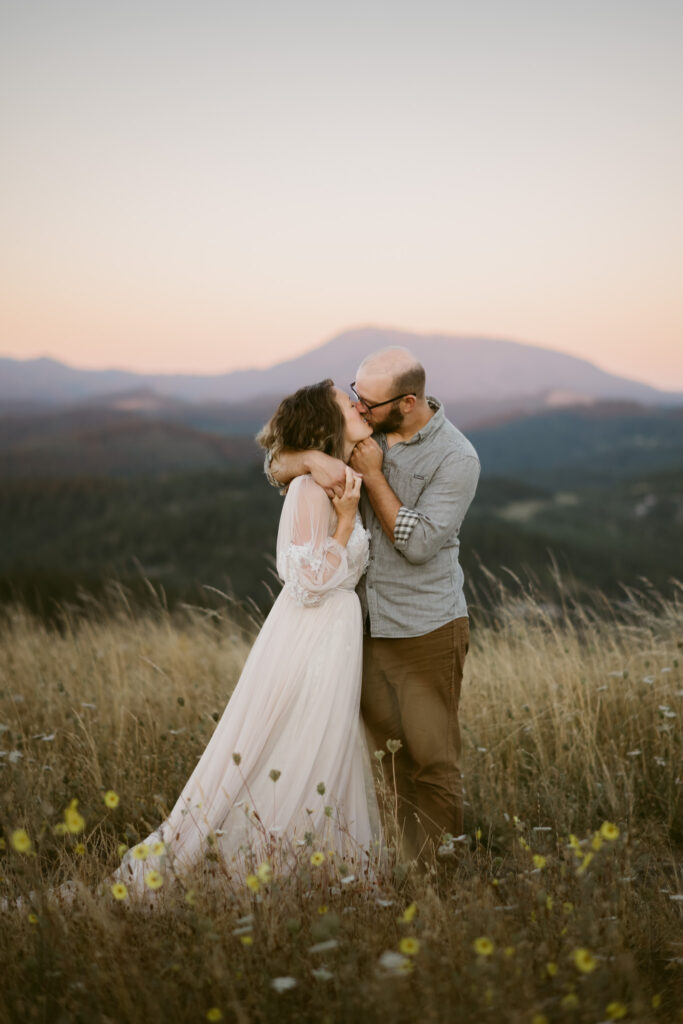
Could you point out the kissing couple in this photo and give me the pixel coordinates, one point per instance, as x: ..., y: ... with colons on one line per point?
x: 365, y: 643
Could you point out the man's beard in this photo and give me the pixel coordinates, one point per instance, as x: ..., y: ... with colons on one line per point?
x: 391, y: 422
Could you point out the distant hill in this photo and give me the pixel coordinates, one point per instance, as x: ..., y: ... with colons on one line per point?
x: 460, y: 369
x: 583, y: 445
x: 576, y: 446
x: 114, y: 446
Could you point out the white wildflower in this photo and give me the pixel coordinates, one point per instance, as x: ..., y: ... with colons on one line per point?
x: 283, y: 984
x: 323, y: 947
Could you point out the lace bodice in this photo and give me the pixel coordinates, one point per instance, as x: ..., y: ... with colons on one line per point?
x: 309, y: 561
x: 358, y: 550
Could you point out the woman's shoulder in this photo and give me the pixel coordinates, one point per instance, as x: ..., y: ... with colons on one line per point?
x: 307, y: 489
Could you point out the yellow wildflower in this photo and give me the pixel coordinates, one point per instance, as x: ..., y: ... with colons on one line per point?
x: 477, y: 834
x: 79, y: 848
x: 656, y: 1001
x: 596, y: 841
x: 246, y: 940
x: 119, y: 891
x: 111, y: 799
x: 317, y: 858
x: 409, y: 946
x: 154, y: 880
x: 549, y: 903
x: 141, y: 851
x: 567, y: 907
x: 21, y: 841
x: 616, y: 1010
x: 509, y: 951
x: 483, y: 946
x: 406, y: 967
x: 609, y: 831
x: 574, y: 841
x: 252, y: 883
x: 159, y: 849
x: 539, y: 861
x: 584, y: 863
x: 264, y: 873
x: 32, y: 919
x: 214, y: 1014
x: 570, y: 1001
x: 408, y: 914
x: 584, y: 960
x: 551, y: 968
x: 323, y: 909
x: 75, y: 822
x: 523, y: 843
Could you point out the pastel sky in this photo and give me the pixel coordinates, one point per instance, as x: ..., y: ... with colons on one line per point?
x: 203, y: 186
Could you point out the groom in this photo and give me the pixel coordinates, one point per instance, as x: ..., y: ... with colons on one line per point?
x: 419, y: 474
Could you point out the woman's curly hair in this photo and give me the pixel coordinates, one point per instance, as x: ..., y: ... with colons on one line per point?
x: 310, y: 418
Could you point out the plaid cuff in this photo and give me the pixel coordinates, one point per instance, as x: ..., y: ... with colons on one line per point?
x: 404, y: 525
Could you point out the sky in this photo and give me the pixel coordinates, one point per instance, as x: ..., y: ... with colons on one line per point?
x: 210, y: 186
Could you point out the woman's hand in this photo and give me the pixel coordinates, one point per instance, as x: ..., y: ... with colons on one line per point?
x: 346, y: 505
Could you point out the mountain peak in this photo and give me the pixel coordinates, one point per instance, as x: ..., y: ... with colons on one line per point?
x: 460, y: 369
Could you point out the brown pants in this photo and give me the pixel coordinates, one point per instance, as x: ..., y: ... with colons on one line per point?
x: 411, y: 691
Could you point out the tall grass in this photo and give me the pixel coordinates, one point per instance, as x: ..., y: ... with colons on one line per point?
x: 571, y: 722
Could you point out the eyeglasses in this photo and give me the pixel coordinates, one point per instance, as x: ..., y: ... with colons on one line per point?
x: 376, y: 405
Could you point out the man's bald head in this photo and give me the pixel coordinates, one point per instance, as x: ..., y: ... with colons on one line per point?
x: 398, y: 368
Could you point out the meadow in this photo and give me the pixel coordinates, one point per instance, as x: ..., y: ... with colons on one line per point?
x: 562, y: 902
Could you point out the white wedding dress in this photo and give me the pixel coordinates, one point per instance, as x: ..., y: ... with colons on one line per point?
x: 295, y: 710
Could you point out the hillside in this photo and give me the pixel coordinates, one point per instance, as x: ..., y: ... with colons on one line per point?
x: 171, y: 492
x: 113, y: 443
x: 578, y: 445
x: 582, y: 445
x: 218, y: 528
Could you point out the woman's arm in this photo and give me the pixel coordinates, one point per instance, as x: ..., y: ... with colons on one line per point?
x: 310, y: 560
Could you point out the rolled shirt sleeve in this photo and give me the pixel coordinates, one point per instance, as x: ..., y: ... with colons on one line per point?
x: 421, y: 531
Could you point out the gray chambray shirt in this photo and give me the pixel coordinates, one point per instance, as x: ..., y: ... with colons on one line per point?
x: 415, y: 585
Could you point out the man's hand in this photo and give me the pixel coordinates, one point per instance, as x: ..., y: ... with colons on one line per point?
x: 367, y: 458
x: 328, y: 473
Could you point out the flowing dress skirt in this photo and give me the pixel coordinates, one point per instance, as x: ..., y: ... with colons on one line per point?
x: 295, y: 711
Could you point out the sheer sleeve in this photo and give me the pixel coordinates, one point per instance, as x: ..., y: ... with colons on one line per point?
x: 309, y: 561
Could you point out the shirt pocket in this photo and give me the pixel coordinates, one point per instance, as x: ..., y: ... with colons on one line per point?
x: 407, y: 486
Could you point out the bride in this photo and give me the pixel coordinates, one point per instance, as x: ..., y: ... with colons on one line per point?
x: 287, y: 767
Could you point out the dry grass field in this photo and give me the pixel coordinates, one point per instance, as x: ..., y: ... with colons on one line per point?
x: 564, y: 902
